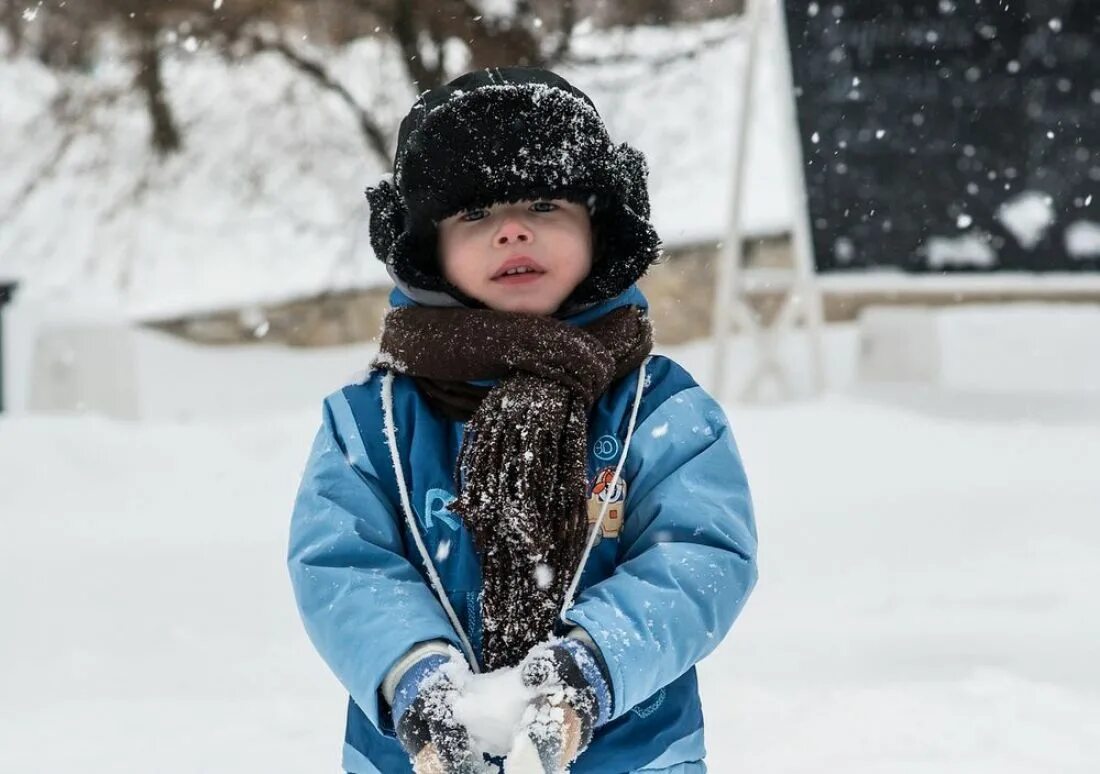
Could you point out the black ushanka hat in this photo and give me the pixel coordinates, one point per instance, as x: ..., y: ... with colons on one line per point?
x: 505, y: 135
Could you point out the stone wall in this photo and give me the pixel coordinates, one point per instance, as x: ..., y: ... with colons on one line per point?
x: 680, y: 290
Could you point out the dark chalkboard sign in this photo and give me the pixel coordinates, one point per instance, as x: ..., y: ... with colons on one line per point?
x: 950, y: 135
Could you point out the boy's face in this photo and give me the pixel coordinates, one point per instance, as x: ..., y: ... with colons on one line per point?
x: 522, y: 257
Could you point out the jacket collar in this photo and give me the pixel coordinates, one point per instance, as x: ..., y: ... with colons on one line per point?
x: 632, y: 296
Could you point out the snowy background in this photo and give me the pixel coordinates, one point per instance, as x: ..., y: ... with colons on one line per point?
x: 265, y: 203
x: 928, y: 548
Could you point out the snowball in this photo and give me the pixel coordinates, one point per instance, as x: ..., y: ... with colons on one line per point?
x: 523, y: 758
x: 491, y: 706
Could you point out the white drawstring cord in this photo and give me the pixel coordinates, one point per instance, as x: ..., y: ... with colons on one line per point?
x: 572, y: 590
x: 410, y: 519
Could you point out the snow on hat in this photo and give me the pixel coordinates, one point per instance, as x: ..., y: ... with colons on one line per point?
x: 505, y: 135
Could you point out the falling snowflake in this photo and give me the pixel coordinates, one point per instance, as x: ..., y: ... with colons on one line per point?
x: 1027, y: 217
x: 544, y: 576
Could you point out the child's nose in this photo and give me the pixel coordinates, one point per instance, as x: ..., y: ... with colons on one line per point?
x: 512, y: 231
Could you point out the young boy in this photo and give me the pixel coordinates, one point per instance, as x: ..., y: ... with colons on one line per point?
x: 517, y: 483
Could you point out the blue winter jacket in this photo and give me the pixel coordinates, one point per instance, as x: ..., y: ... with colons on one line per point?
x: 673, y: 567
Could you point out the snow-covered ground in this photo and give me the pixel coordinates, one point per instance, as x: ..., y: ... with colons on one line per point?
x: 926, y: 603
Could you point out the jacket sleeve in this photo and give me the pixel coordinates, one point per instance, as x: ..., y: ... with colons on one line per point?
x: 363, y: 603
x: 687, y: 557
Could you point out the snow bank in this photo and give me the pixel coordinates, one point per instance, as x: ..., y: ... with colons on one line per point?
x: 1051, y: 348
x: 54, y: 360
x: 984, y: 349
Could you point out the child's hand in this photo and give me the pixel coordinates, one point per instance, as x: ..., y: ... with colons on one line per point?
x: 573, y: 697
x: 423, y: 712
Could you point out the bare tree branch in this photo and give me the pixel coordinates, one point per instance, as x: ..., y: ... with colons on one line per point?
x: 495, y: 42
x: 70, y: 113
x: 658, y: 62
x: 11, y: 21
x: 373, y: 134
x: 568, y: 23
x: 149, y: 78
x: 421, y: 29
x: 405, y: 31
x: 44, y: 173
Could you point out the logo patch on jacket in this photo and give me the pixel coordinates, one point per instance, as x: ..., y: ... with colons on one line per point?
x: 606, y: 447
x: 602, y: 492
x: 437, y: 506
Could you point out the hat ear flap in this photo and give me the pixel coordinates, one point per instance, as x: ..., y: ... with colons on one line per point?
x: 387, y: 218
x: 633, y: 173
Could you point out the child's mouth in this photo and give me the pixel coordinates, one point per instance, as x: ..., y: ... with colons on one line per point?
x: 519, y: 276
x: 518, y: 270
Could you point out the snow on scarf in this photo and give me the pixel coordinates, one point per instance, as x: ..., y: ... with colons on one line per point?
x: 522, y: 464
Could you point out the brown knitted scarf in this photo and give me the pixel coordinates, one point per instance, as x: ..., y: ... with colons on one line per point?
x: 522, y: 467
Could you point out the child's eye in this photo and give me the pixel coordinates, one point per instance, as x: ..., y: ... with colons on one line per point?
x: 472, y: 215
x: 544, y: 207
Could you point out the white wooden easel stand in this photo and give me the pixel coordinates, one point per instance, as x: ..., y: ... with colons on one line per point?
x: 801, y: 296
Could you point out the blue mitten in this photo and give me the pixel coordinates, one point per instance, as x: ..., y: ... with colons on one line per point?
x: 573, y: 698
x: 424, y: 718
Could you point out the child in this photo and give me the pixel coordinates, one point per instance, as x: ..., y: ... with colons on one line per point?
x: 517, y: 483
